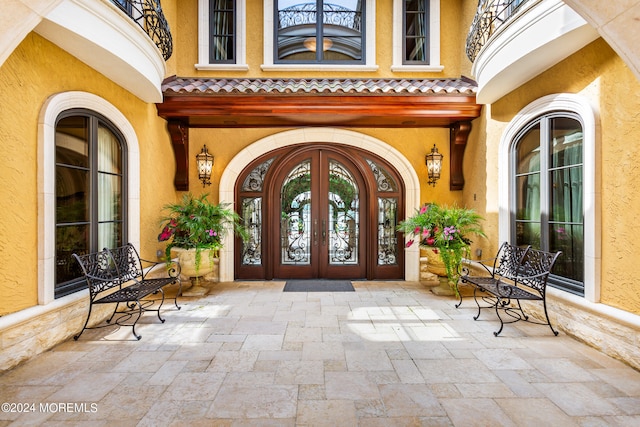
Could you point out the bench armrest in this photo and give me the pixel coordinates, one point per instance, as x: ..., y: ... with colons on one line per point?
x: 173, y: 267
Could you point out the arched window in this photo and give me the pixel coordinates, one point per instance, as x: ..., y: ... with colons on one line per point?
x: 549, y: 190
x: 548, y: 202
x: 90, y: 192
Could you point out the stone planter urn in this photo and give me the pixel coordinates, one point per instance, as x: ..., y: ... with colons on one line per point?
x: 208, y: 270
x: 435, y: 265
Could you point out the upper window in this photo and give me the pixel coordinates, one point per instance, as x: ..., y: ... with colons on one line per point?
x: 548, y: 201
x: 416, y: 35
x: 416, y: 32
x: 90, y: 192
x: 319, y: 31
x: 222, y: 31
x: 221, y: 35
x: 331, y: 35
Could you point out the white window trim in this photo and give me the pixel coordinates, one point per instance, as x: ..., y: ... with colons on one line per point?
x: 591, y: 174
x: 49, y: 113
x: 434, y: 40
x: 240, y: 38
x: 370, y: 45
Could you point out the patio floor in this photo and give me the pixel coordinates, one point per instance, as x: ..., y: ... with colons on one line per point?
x: 389, y: 354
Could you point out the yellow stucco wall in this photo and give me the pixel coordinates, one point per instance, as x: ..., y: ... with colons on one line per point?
x: 185, y: 32
x: 36, y: 70
x: 598, y: 74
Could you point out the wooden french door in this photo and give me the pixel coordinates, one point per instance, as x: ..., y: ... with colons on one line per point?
x: 320, y: 211
x: 320, y: 196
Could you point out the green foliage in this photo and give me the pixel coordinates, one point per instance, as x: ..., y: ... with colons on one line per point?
x: 445, y: 228
x: 196, y: 223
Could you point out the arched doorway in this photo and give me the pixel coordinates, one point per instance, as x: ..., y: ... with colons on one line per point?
x: 320, y: 211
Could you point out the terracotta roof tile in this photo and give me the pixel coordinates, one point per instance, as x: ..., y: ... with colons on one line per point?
x: 213, y: 86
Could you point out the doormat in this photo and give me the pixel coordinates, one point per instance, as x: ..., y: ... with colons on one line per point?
x: 318, y: 285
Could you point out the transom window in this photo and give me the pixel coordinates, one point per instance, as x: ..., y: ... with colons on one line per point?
x: 90, y: 192
x: 548, y: 207
x: 320, y: 31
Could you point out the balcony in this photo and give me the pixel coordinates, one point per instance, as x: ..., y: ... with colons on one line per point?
x: 512, y: 41
x: 128, y: 41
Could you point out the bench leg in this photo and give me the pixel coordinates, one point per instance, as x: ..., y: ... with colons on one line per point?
x: 544, y: 303
x: 86, y: 322
x: 133, y: 327
x: 475, y: 298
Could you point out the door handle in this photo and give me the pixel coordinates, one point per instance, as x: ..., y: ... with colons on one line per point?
x: 324, y: 232
x: 315, y: 232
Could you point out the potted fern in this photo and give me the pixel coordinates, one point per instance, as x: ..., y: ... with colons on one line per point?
x: 195, y: 228
x: 444, y: 231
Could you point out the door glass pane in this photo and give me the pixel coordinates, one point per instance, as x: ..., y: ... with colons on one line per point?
x: 343, y: 215
x: 384, y: 180
x: 251, y: 212
x: 295, y: 219
x: 387, y: 239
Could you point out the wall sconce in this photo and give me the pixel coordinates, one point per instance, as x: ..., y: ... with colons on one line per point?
x: 205, y: 166
x: 434, y: 165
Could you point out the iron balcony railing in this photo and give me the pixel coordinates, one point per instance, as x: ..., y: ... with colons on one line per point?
x: 491, y: 15
x: 148, y: 15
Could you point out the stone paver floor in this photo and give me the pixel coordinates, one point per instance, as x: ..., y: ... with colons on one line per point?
x: 389, y: 354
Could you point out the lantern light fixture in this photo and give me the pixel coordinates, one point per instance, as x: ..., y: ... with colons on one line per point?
x: 205, y: 166
x: 434, y: 165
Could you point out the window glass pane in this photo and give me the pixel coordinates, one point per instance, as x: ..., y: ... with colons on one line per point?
x: 70, y: 239
x: 528, y: 197
x: 566, y: 142
x: 72, y: 138
x: 528, y: 233
x: 416, y: 20
x: 109, y: 197
x: 528, y: 151
x: 566, y: 195
x: 109, y: 153
x: 72, y: 195
x: 569, y: 239
x: 222, y: 30
x: 384, y: 180
x: 319, y: 31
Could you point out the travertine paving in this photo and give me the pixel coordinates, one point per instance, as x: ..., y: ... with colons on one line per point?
x: 389, y: 354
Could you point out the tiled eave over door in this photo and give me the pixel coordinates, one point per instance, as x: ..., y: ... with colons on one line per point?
x: 348, y: 103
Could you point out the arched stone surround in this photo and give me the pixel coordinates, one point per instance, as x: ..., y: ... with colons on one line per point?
x: 325, y: 135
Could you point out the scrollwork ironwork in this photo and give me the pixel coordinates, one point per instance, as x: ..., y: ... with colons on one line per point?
x: 490, y: 16
x: 306, y: 14
x: 149, y: 16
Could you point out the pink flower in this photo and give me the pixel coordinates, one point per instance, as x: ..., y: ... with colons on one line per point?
x: 212, y: 232
x: 409, y: 243
x: 431, y: 241
x: 417, y: 230
x: 424, y: 209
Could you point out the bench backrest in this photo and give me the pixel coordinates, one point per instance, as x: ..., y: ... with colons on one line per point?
x: 99, y: 271
x: 509, y: 259
x: 127, y: 262
x: 537, y: 263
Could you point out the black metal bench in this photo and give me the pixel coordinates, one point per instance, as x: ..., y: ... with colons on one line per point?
x: 518, y: 274
x: 117, y: 276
